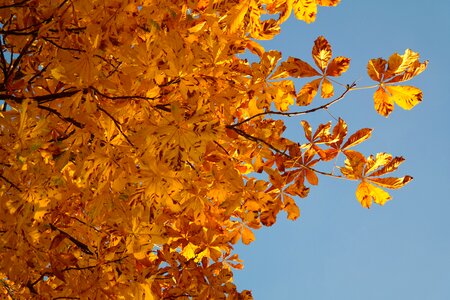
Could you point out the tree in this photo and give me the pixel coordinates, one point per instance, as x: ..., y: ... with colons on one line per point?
x: 138, y: 145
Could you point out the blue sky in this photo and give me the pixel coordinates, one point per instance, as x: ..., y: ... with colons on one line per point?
x: 337, y: 249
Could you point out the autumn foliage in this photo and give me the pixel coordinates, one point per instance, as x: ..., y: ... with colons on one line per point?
x: 138, y: 145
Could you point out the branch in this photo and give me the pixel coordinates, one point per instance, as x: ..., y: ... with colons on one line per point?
x: 59, y: 115
x: 40, y: 99
x: 276, y: 150
x: 10, y: 183
x: 61, y: 47
x: 18, y: 4
x: 297, y: 113
x: 123, y: 97
x: 118, y: 125
x: 83, y: 247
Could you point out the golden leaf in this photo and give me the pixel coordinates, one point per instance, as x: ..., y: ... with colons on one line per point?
x: 366, y: 192
x: 376, y: 68
x: 321, y: 52
x: 293, y: 212
x: 357, y: 138
x: 294, y: 67
x: 328, y: 2
x: 305, y: 10
x: 391, y: 182
x: 308, y: 92
x: 405, y: 96
x: 247, y: 235
x: 327, y: 89
x: 384, y: 104
x: 337, y: 66
x: 236, y: 15
x: 354, y: 165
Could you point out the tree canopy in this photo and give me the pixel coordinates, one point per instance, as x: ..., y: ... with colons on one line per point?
x: 139, y: 144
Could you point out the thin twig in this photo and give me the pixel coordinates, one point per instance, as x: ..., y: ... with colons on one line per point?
x: 83, y: 247
x: 10, y: 183
x: 59, y: 115
x: 118, y: 125
x: 296, y: 113
x: 259, y: 140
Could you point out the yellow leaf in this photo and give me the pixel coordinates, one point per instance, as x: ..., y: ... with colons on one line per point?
x: 391, y: 182
x: 247, y: 235
x: 321, y: 52
x: 189, y: 251
x: 236, y: 15
x: 367, y: 192
x: 389, y: 165
x: 405, y: 96
x: 328, y: 2
x: 354, y: 164
x: 379, y: 160
x: 305, y: 10
x: 384, y: 104
x: 415, y: 69
x: 327, y: 89
x: 400, y: 63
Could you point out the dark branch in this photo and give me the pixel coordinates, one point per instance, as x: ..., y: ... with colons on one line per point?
x: 40, y: 99
x: 118, y: 125
x: 297, y: 113
x: 276, y: 150
x: 18, y: 4
x: 59, y: 115
x: 83, y: 247
x: 10, y: 183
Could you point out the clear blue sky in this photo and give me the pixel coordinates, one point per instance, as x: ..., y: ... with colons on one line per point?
x: 337, y: 249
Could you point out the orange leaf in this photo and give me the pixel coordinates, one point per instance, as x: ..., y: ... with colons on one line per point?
x: 338, y: 66
x: 384, y: 104
x: 376, y: 68
x: 291, y: 208
x: 357, y: 138
x: 354, y: 165
x: 327, y: 89
x: 321, y: 52
x: 294, y: 67
x: 308, y: 92
x: 247, y: 235
x: 312, y: 177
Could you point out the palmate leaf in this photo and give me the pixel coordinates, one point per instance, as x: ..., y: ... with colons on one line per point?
x: 398, y: 68
x: 367, y: 170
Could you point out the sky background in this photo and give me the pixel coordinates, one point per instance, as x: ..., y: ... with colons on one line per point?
x: 337, y: 249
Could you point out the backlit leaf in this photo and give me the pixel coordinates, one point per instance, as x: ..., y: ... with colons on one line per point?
x: 405, y: 96
x: 321, y: 53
